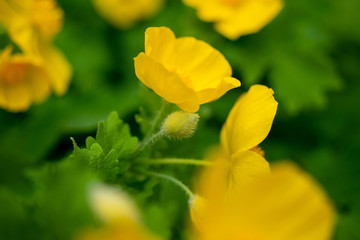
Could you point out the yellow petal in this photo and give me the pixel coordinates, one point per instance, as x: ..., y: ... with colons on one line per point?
x: 7, y: 13
x: 204, y: 65
x: 22, y: 81
x: 124, y: 13
x: 286, y: 204
x: 58, y: 69
x: 112, y: 205
x: 118, y: 211
x: 211, y: 10
x: 250, y: 17
x: 31, y: 23
x: 198, y: 207
x: 245, y: 167
x: 15, y: 97
x: 25, y: 36
x: 159, y: 45
x: 166, y: 84
x: 250, y: 120
x: 211, y: 94
x: 38, y: 84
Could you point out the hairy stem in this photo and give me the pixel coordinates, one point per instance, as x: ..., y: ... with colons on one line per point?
x: 179, y: 161
x: 173, y: 180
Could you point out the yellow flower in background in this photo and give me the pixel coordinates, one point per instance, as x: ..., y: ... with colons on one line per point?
x: 115, y: 208
x: 31, y: 23
x: 23, y: 81
x: 184, y: 71
x: 235, y: 18
x: 26, y: 79
x: 111, y: 204
x: 286, y: 204
x: 58, y: 68
x: 124, y: 13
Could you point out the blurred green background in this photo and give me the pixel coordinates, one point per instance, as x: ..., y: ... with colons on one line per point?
x: 309, y: 55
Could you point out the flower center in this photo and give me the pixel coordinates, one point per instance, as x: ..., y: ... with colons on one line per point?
x: 46, y: 17
x: 184, y: 76
x: 232, y: 3
x: 14, y: 73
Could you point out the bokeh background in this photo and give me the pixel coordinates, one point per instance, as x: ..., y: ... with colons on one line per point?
x: 309, y: 54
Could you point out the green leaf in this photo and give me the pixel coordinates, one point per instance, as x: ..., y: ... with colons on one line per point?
x: 108, y: 154
x: 114, y: 134
x: 303, y: 82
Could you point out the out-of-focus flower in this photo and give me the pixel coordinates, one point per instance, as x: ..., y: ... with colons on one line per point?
x: 58, y: 68
x: 111, y: 204
x: 115, y: 208
x: 23, y: 81
x: 184, y: 71
x: 234, y: 18
x: 286, y: 204
x: 31, y: 23
x: 124, y: 13
x: 26, y: 79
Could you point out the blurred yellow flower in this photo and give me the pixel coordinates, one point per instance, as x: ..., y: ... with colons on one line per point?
x: 286, y: 204
x: 235, y: 18
x: 111, y: 204
x: 23, y: 81
x: 184, y: 71
x: 115, y: 208
x: 124, y: 13
x: 31, y: 23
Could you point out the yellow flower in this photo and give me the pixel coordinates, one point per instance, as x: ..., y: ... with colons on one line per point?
x: 23, y: 81
x: 124, y: 13
x: 286, y: 204
x: 31, y: 23
x: 247, y: 125
x: 26, y: 79
x: 112, y: 204
x: 115, y: 208
x: 235, y: 18
x: 184, y: 71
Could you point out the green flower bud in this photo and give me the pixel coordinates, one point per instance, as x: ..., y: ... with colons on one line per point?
x: 180, y: 124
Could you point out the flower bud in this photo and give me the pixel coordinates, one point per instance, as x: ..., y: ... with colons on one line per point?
x: 111, y: 204
x: 180, y: 124
x: 198, y: 209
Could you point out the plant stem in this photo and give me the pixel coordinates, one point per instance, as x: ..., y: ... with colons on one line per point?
x: 151, y: 140
x: 150, y: 137
x: 173, y: 180
x: 156, y: 120
x: 179, y: 161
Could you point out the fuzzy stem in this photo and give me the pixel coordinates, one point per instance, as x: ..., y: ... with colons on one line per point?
x: 156, y: 120
x: 179, y: 161
x: 150, y: 137
x: 173, y: 180
x: 151, y: 140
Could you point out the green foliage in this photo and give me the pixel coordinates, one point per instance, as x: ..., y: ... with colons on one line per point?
x: 309, y: 55
x: 108, y: 153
